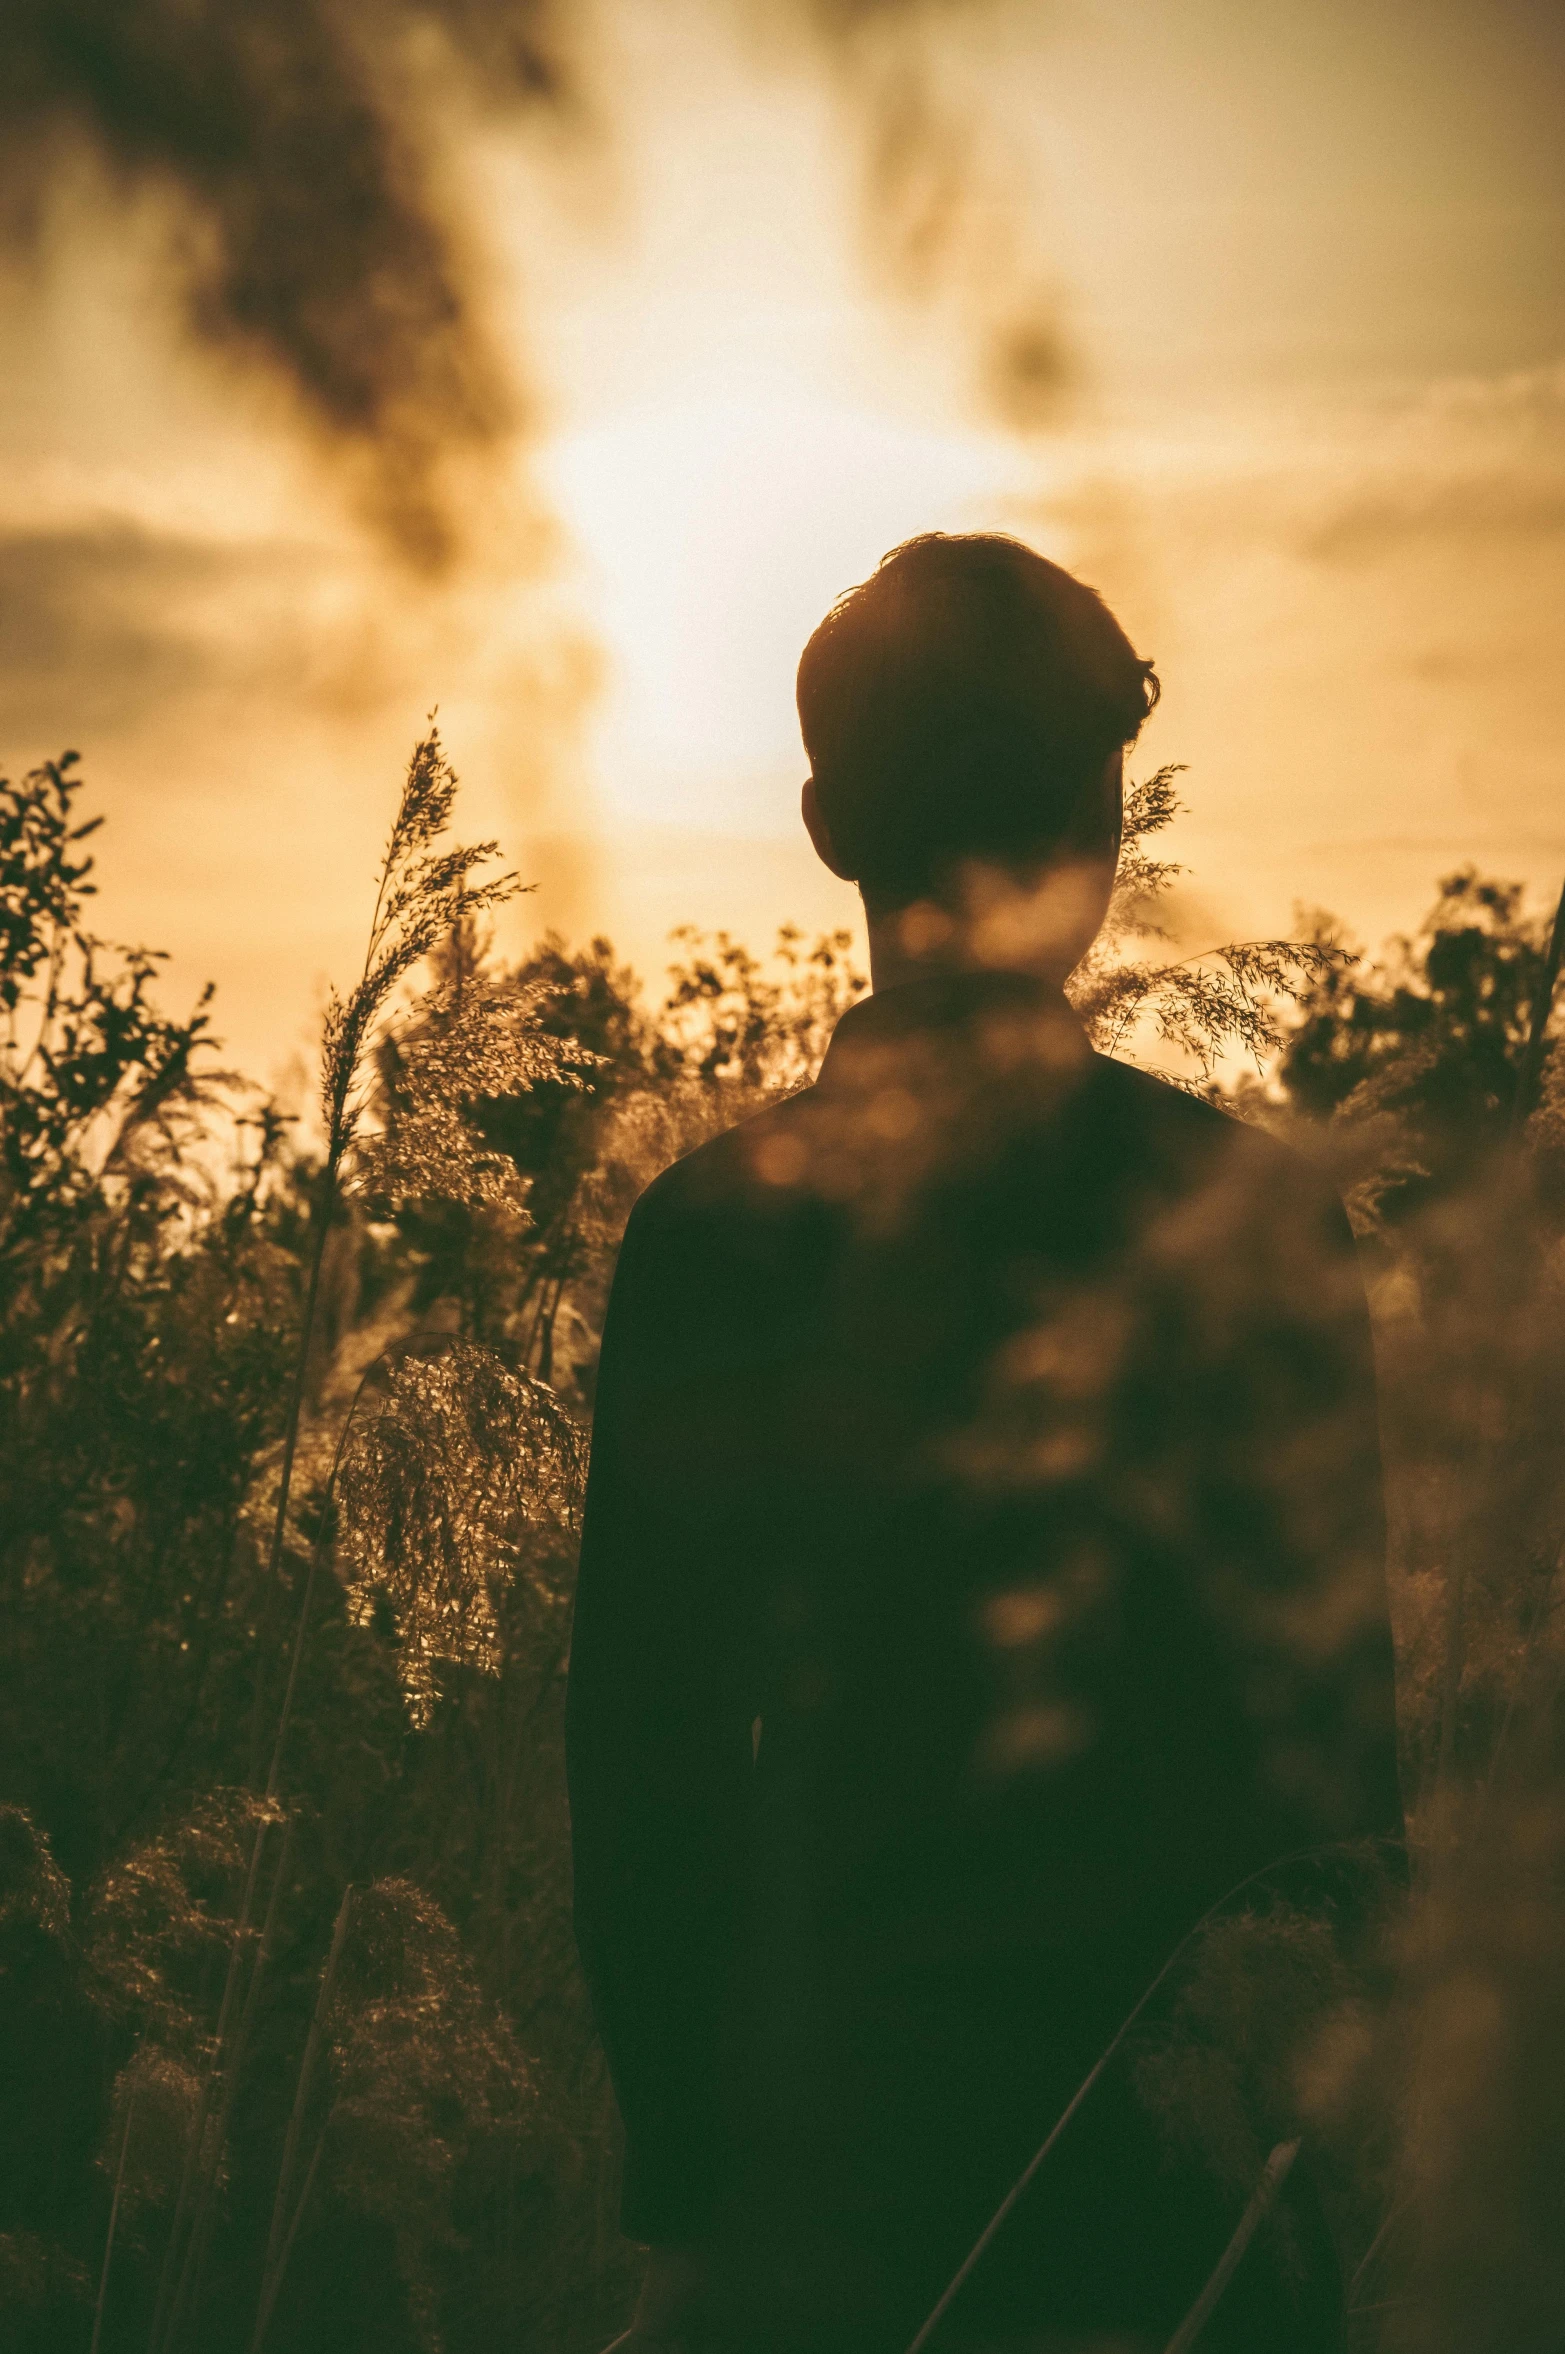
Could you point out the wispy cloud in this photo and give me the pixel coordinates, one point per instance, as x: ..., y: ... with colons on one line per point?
x: 1473, y: 459
x: 313, y: 233
x: 107, y: 625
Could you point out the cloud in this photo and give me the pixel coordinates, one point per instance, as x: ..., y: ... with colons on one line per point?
x: 307, y: 148
x: 295, y: 137
x: 107, y: 624
x: 950, y: 208
x: 1530, y: 398
x: 79, y: 614
x: 1496, y: 507
x: 1472, y: 461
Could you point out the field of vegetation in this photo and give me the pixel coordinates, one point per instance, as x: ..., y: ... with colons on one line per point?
x: 293, y: 2048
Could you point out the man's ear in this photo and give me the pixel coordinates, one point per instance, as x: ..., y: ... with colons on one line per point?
x: 820, y: 832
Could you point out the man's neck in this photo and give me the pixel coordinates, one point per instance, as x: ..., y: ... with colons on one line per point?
x: 912, y: 944
x: 1036, y: 925
x: 924, y: 944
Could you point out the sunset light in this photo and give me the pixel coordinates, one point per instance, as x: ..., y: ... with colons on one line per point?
x: 712, y: 535
x: 782, y: 1534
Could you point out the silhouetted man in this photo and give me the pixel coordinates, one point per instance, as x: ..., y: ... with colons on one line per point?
x: 982, y: 1570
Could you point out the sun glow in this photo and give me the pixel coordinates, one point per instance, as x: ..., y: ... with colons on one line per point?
x: 713, y: 533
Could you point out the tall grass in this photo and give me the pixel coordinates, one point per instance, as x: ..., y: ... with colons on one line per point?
x: 298, y: 1464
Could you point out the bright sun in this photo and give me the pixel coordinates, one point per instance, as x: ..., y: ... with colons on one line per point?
x: 714, y: 532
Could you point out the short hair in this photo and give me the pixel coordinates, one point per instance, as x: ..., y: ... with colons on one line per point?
x: 957, y: 704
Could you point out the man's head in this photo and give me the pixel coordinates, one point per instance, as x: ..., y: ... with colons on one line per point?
x: 966, y: 705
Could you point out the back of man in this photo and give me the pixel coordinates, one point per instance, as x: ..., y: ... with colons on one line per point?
x: 982, y: 1575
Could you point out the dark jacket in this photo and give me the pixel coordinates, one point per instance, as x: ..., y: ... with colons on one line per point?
x: 982, y: 1572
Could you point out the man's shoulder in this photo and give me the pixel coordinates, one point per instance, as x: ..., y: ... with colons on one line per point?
x: 755, y: 1158
x: 1163, y: 1102
x: 757, y: 1178
x: 748, y: 1164
x: 717, y: 1246
x: 1159, y: 1118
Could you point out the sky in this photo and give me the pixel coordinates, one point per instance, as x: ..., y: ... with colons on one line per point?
x: 1252, y: 313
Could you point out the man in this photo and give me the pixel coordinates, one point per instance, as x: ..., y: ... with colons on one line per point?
x: 982, y: 1571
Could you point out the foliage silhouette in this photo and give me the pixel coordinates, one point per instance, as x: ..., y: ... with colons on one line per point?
x: 443, y: 2169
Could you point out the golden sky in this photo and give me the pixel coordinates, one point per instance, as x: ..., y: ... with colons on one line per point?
x: 1290, y: 281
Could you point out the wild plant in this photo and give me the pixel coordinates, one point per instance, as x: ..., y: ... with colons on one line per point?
x: 457, y: 1043
x: 100, y: 1092
x: 730, y: 1018
x: 156, y: 1312
x: 422, y: 2066
x: 1204, y: 1007
x: 457, y: 1046
x: 458, y: 1497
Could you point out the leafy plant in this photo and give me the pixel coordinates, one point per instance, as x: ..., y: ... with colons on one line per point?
x: 402, y: 2127
x: 1206, y: 1007
x: 98, y: 1089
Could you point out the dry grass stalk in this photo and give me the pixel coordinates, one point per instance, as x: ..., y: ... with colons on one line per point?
x: 108, y: 2237
x: 199, y: 2158
x: 422, y: 895
x: 462, y: 1493
x: 1274, y: 2174
x: 461, y: 1048
x: 1205, y: 1006
x: 281, y: 2235
x: 226, y: 2068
